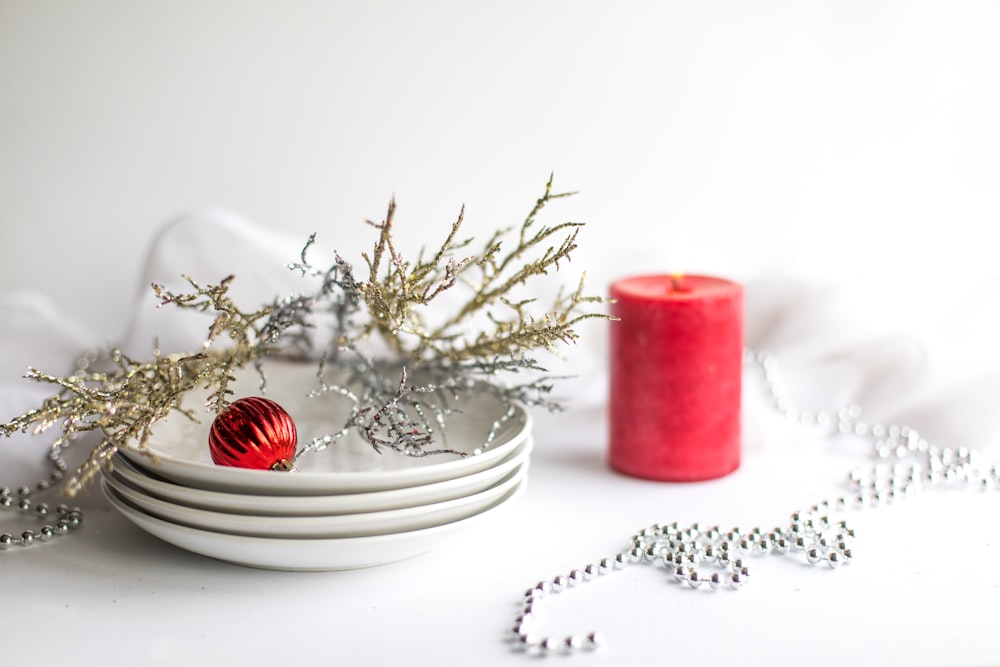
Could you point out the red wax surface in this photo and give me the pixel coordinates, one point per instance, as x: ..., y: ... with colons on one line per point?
x: 676, y: 373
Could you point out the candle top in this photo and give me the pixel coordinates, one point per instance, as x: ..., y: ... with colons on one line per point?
x: 673, y: 287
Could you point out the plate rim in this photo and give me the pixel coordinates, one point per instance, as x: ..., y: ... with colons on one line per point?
x: 320, y: 504
x: 312, y: 527
x: 266, y: 482
x: 193, y: 540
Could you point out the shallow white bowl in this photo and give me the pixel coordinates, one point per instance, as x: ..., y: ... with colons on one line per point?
x: 340, y: 525
x: 345, y: 503
x: 180, y: 446
x: 306, y: 554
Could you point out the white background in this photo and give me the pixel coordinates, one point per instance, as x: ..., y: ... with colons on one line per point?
x: 850, y: 144
x: 855, y: 142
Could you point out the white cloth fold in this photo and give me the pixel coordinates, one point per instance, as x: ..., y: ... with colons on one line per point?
x: 34, y: 334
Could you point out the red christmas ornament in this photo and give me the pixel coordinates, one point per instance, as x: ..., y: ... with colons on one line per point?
x: 253, y: 432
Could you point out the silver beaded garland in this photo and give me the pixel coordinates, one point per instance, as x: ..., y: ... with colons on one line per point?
x: 22, y: 500
x: 710, y: 558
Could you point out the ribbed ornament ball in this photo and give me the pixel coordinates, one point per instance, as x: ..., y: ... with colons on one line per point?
x: 253, y: 432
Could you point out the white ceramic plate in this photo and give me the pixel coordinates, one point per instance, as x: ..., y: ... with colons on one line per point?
x: 344, y: 503
x: 180, y: 446
x: 341, y: 525
x: 306, y: 554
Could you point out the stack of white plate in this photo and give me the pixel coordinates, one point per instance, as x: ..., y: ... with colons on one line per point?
x: 345, y: 507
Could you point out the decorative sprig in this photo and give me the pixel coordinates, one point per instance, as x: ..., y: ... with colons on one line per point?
x: 477, y: 346
x: 396, y: 293
x: 121, y: 405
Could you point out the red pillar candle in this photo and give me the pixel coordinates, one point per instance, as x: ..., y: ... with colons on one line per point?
x: 676, y: 372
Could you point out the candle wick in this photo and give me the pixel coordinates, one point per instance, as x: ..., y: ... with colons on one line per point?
x: 677, y: 283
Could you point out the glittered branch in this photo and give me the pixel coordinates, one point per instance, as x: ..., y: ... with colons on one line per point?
x: 390, y: 424
x: 120, y: 405
x: 397, y: 293
x: 489, y: 336
x: 241, y: 327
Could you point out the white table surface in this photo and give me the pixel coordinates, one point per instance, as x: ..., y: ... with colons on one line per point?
x: 923, y: 588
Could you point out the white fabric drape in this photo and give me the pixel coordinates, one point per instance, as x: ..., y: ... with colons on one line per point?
x: 830, y: 355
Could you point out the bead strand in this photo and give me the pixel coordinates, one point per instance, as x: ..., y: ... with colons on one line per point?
x: 22, y: 500
x: 533, y: 643
x: 712, y: 558
x: 68, y: 519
